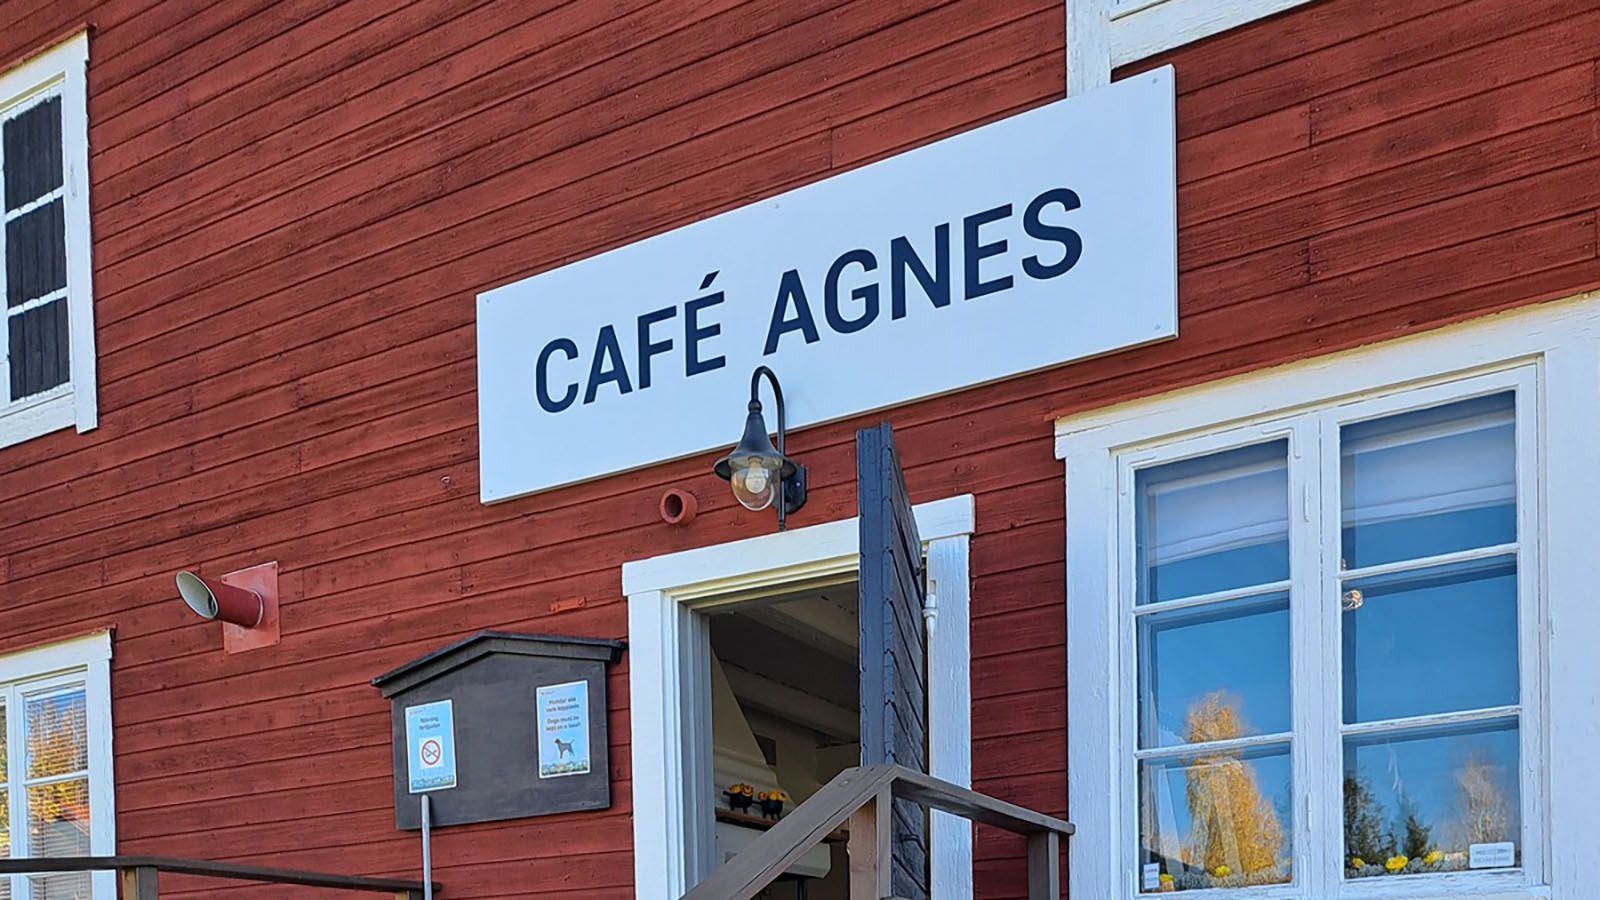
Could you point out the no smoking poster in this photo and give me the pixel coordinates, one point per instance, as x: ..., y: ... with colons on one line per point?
x: 431, y: 747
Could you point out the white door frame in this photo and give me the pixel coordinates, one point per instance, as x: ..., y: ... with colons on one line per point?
x: 666, y: 690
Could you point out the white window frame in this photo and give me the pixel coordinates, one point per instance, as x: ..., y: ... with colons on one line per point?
x: 669, y: 697
x: 82, y: 661
x: 1105, y: 34
x: 61, y: 69
x: 1551, y: 355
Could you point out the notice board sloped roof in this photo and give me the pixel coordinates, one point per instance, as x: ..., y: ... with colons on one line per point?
x: 446, y: 659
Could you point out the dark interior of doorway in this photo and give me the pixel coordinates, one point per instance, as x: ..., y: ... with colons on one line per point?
x: 785, y: 715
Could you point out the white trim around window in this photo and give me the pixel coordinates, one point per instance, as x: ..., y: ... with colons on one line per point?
x: 1105, y: 34
x: 81, y: 664
x: 60, y: 71
x: 669, y: 696
x: 1548, y: 357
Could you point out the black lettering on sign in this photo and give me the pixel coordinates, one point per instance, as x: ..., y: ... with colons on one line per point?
x: 694, y: 332
x: 791, y: 289
x: 867, y: 294
x: 607, y: 365
x: 1035, y: 227
x: 648, y: 348
x: 976, y: 252
x: 936, y: 284
x: 542, y: 375
x: 1060, y: 251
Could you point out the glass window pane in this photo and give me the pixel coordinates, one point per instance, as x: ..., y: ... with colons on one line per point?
x: 1214, y: 523
x: 69, y: 886
x: 1214, y: 672
x: 58, y: 735
x: 1215, y: 820
x: 36, y: 253
x: 1429, y: 482
x: 31, y: 150
x: 41, y: 352
x: 1442, y: 639
x: 5, y: 763
x: 1418, y: 801
x: 58, y: 825
x: 58, y: 818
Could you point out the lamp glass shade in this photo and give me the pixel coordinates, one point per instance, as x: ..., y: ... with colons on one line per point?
x: 755, y: 468
x: 755, y: 480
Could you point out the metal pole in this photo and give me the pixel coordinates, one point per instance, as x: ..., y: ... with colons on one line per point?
x: 427, y: 856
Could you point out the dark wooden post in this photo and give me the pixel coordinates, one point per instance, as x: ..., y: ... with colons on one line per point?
x: 1044, y: 866
x: 892, y: 641
x: 138, y: 883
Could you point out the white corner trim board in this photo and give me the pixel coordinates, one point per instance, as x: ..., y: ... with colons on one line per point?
x: 1553, y: 351
x: 1105, y: 34
x: 667, y: 696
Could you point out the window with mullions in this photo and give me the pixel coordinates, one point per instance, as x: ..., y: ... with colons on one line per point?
x: 35, y: 250
x: 55, y: 766
x: 1212, y: 627
x: 1326, y: 622
x: 46, y: 788
x: 47, y: 365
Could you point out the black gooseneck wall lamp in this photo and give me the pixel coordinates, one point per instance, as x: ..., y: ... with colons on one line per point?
x: 760, y: 474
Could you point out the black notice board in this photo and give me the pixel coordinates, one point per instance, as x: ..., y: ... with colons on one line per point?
x: 492, y: 680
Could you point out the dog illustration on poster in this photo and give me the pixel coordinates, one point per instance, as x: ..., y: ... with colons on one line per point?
x: 563, y: 729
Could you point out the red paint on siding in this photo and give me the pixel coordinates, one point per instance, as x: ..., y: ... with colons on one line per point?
x: 337, y: 180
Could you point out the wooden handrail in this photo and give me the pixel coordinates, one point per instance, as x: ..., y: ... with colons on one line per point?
x: 137, y: 875
x: 862, y: 797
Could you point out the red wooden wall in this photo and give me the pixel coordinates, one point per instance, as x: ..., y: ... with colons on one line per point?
x: 296, y: 201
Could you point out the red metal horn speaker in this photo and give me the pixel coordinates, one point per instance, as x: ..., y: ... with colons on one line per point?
x: 211, y: 599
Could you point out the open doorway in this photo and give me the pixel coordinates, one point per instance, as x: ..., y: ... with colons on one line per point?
x: 785, y: 719
x: 673, y: 603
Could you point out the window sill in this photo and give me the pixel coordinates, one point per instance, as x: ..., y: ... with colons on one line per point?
x: 1452, y: 889
x: 38, y: 416
x: 1476, y: 888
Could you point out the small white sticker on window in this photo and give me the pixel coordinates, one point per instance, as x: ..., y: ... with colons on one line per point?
x: 1492, y: 856
x: 1152, y: 877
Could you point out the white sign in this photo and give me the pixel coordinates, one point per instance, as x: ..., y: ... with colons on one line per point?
x: 563, y: 729
x: 1492, y: 856
x: 1047, y: 237
x: 431, y: 747
x: 1152, y: 877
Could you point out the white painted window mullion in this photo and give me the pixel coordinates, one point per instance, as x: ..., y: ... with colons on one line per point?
x: 1400, y: 727
x: 35, y: 303
x: 1429, y: 562
x: 1219, y: 597
x: 17, y: 796
x: 1308, y: 604
x: 31, y: 205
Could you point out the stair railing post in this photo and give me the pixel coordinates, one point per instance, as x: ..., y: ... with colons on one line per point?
x: 138, y: 883
x: 1044, y: 866
x: 872, y: 848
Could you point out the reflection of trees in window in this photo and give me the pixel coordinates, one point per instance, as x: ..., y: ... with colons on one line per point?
x: 1234, y: 827
x: 1417, y: 838
x: 1483, y: 814
x: 1413, y: 845
x: 57, y: 744
x: 1365, y: 837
